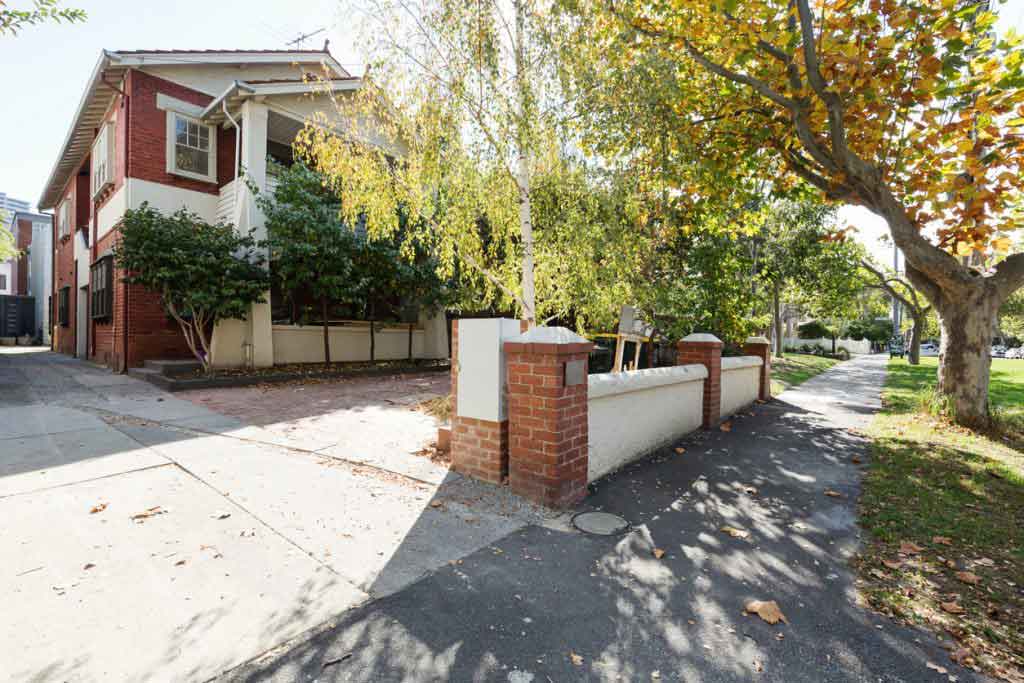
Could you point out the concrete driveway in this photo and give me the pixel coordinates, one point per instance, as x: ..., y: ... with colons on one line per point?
x: 150, y: 537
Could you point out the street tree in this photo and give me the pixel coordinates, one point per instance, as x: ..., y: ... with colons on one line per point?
x: 901, y: 290
x: 203, y: 272
x: 912, y: 110
x: 469, y: 95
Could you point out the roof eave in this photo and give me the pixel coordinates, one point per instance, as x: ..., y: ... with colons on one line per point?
x: 45, y: 201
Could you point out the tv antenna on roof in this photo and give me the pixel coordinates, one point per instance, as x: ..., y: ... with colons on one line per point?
x: 301, y: 38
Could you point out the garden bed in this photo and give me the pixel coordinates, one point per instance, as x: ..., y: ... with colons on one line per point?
x: 242, y: 377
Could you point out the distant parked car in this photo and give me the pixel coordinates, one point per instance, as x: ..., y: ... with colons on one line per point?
x: 929, y: 349
x: 1015, y: 353
x: 999, y: 351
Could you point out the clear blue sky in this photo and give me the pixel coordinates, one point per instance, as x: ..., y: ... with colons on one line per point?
x: 44, y: 69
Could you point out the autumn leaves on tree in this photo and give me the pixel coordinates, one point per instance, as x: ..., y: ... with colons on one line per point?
x: 911, y: 110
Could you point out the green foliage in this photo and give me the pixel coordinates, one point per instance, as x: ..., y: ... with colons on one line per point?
x: 203, y: 272
x: 311, y: 250
x: 13, y: 20
x: 873, y: 330
x: 315, y: 254
x: 815, y: 329
x: 8, y: 247
x: 1011, y: 315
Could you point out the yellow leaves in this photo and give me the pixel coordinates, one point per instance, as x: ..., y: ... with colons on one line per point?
x: 1001, y: 245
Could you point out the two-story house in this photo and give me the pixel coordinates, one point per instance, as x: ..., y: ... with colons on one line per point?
x: 186, y: 129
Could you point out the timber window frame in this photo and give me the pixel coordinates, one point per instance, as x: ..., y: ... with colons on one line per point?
x: 63, y: 306
x: 191, y: 144
x: 101, y: 291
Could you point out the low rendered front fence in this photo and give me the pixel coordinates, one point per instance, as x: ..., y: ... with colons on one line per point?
x: 525, y: 410
x: 633, y: 413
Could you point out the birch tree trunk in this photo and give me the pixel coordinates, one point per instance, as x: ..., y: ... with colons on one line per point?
x: 523, y: 165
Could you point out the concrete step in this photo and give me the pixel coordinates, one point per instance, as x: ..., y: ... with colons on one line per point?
x: 151, y: 375
x: 172, y: 368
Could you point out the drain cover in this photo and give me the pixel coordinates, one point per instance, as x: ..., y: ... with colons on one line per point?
x: 600, y: 523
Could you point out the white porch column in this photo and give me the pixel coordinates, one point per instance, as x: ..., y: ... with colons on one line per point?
x: 236, y: 343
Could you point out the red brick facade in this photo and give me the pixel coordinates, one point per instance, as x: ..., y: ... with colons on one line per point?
x: 709, y: 354
x: 548, y: 447
x: 138, y: 328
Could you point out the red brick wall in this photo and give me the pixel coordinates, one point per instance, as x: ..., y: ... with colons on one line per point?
x: 708, y: 354
x: 151, y: 333
x: 64, y: 266
x: 763, y: 351
x: 148, y: 134
x: 548, y: 446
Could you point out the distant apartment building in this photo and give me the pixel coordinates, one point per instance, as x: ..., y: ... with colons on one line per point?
x: 31, y: 273
x: 9, y: 205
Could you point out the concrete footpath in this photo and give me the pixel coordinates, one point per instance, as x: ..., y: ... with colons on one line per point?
x: 147, y: 538
x: 550, y: 604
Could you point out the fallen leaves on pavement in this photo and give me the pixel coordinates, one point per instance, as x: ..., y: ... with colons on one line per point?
x: 658, y: 553
x: 893, y: 564
x: 150, y: 512
x: 575, y: 658
x: 734, y: 532
x: 910, y: 548
x: 767, y: 610
x: 726, y: 426
x: 833, y: 494
x: 97, y: 508
x: 942, y: 540
x: 952, y: 608
x: 969, y: 577
x: 680, y: 450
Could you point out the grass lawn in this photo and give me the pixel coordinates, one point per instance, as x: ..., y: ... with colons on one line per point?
x: 943, y: 508
x: 794, y: 368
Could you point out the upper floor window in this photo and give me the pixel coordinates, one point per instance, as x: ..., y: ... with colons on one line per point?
x: 102, y: 159
x: 64, y: 219
x: 191, y: 148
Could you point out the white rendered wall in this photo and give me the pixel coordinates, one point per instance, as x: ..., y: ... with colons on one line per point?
x: 741, y: 383
x: 481, y: 367
x: 305, y: 343
x: 629, y: 414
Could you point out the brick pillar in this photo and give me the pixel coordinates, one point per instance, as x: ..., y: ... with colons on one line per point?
x: 547, y: 398
x: 479, y: 431
x: 705, y: 349
x: 762, y: 348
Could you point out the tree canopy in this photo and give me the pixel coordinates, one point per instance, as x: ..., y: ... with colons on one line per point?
x: 203, y: 272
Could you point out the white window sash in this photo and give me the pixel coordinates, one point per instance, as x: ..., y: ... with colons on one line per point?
x: 172, y: 141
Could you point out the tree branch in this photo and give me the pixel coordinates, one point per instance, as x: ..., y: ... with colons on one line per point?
x: 1009, y: 275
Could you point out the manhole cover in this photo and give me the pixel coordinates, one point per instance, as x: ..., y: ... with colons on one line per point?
x: 600, y: 523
